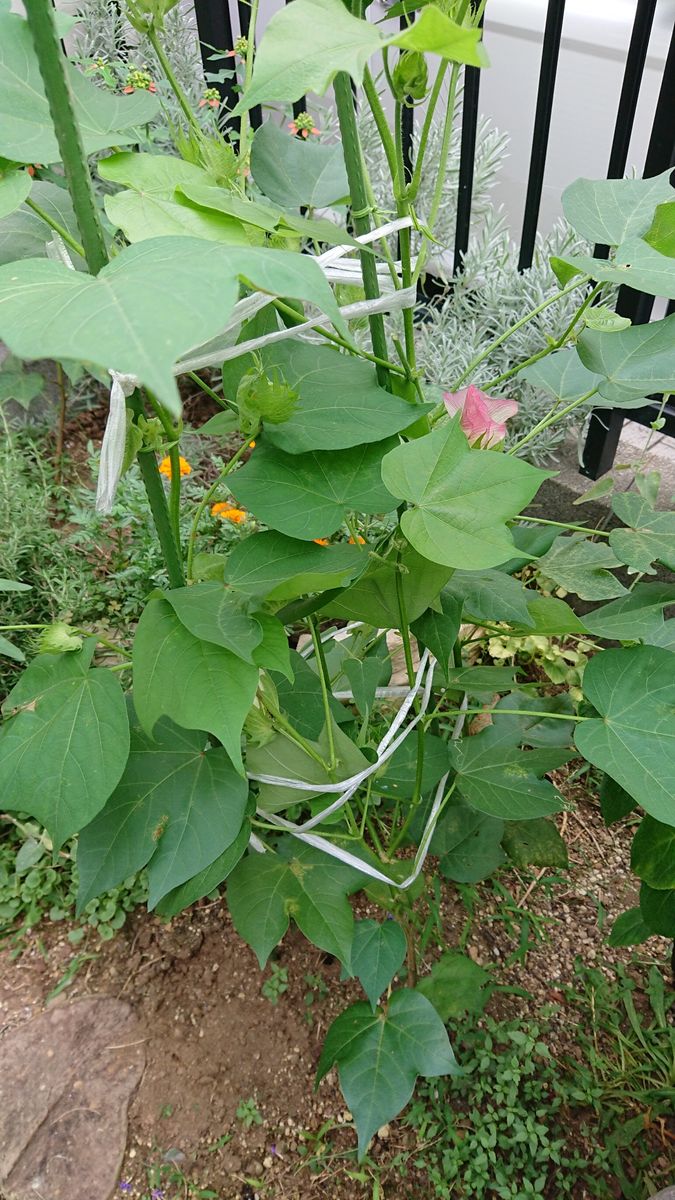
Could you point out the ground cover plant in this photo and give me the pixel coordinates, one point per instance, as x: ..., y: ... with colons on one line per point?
x: 257, y: 732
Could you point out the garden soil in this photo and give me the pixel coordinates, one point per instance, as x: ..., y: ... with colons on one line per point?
x: 214, y: 1043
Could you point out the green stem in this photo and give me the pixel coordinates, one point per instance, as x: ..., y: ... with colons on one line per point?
x: 248, y: 72
x: 160, y: 515
x: 325, y: 691
x: 40, y: 14
x: 414, y: 185
x: 551, y: 420
x: 563, y: 525
x: 173, y: 82
x: 410, y: 669
x: 56, y: 226
x: 338, y: 341
x: 442, y: 166
x: 351, y: 146
x: 534, y: 312
x: 379, y: 116
x: 220, y: 400
x: 292, y: 734
x: 208, y: 495
x: 174, y: 493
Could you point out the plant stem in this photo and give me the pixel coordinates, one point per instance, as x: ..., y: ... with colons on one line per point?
x: 60, y: 423
x: 351, y: 147
x: 325, y: 690
x: 338, y: 341
x: 534, y: 312
x: 174, y: 493
x: 410, y: 669
x: 248, y: 72
x: 173, y: 82
x: 160, y: 515
x: 292, y: 734
x: 550, y: 420
x: 563, y: 525
x: 40, y: 14
x: 414, y: 185
x: 208, y: 495
x: 442, y: 165
x: 379, y: 116
x: 56, y: 226
x: 204, y: 387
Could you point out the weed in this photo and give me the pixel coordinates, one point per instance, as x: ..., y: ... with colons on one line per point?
x: 248, y: 1113
x: 276, y: 983
x: 318, y: 990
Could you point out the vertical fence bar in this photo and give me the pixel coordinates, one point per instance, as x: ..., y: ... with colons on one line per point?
x: 214, y: 28
x: 604, y: 429
x: 630, y: 92
x: 542, y: 125
x: 467, y: 158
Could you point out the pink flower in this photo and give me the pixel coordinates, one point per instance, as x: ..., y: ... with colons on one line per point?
x: 483, y: 417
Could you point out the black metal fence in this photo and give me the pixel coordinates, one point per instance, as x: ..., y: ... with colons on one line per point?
x: 217, y: 29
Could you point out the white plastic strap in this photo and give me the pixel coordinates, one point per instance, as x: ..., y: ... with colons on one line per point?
x: 114, y: 441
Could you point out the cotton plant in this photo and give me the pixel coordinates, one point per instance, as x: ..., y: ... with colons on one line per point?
x: 252, y: 736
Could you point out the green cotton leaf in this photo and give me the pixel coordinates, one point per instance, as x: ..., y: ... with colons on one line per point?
x: 17, y: 384
x: 634, y: 362
x: 650, y: 538
x: 563, y: 376
x: 461, y: 497
x: 398, y: 776
x: 377, y: 953
x: 658, y: 910
x: 661, y: 232
x: 583, y: 567
x: 652, y: 855
x: 25, y: 235
x: 26, y: 130
x: 468, y: 844
x: 497, y: 777
x: 146, y: 307
x: 259, y: 216
x: 372, y: 598
x: 206, y: 881
x: 630, y: 929
x: 490, y: 596
x: 281, y: 568
x: 302, y: 699
x: 151, y: 206
x: 638, y: 616
x: 265, y: 890
x: 536, y: 728
x: 535, y: 844
x: 481, y: 682
x: 456, y: 985
x: 285, y: 759
x: 438, y: 631
x: 363, y: 675
x: 221, y: 425
x: 15, y: 185
x: 635, y: 264
x: 177, y: 807
x: 379, y: 1056
x: 289, y: 63
x: 64, y: 750
x: 608, y: 211
x: 273, y: 653
x: 551, y: 617
x: 209, y: 612
x: 614, y: 802
x: 340, y: 403
x: 310, y: 495
x: 600, y: 316
x: 195, y: 683
x: 112, y: 320
x: 295, y: 173
x: 633, y: 738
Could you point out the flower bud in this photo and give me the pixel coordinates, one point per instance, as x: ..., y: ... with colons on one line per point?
x: 410, y: 76
x: 59, y: 638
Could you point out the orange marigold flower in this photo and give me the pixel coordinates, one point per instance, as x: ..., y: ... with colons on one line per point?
x: 251, y: 445
x: 322, y: 541
x: 361, y: 541
x: 227, y: 513
x: 165, y: 466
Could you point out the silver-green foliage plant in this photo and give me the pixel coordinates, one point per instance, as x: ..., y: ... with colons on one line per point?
x: 225, y: 745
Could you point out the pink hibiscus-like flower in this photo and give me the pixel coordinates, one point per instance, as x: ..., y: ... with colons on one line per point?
x: 483, y: 417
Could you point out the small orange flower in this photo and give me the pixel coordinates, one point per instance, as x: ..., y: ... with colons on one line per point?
x: 322, y: 541
x: 227, y: 513
x: 251, y: 445
x: 165, y: 467
x: 361, y: 541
